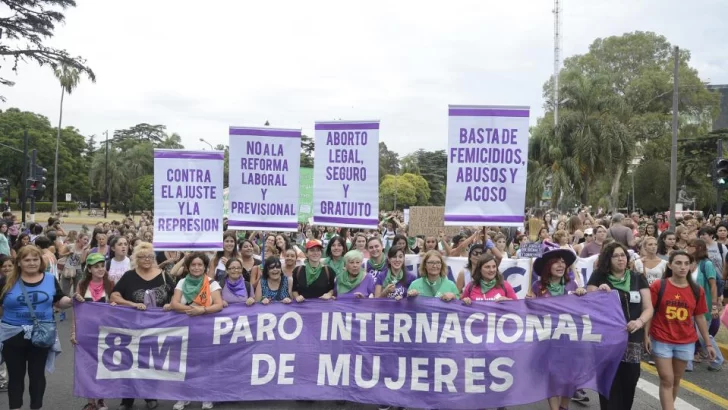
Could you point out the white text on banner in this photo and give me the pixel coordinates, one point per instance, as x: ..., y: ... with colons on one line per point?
x: 264, y: 174
x: 346, y: 174
x: 188, y: 200
x: 487, y: 161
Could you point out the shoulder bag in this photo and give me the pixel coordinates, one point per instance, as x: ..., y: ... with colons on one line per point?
x: 44, y: 333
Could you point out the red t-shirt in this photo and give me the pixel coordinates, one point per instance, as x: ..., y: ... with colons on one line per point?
x: 673, y: 319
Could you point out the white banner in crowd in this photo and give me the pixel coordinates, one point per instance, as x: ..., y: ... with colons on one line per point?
x: 515, y: 271
x: 188, y: 200
x: 264, y: 172
x: 346, y: 174
x: 487, y: 160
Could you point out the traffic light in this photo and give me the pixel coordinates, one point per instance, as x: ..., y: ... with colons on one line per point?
x: 720, y: 176
x: 40, y: 178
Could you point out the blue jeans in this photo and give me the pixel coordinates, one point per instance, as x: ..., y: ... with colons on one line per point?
x: 718, y: 362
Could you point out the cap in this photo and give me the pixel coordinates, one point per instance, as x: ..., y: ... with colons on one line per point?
x: 312, y: 243
x: 95, y: 258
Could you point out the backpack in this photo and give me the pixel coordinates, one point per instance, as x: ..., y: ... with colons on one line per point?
x: 663, y: 285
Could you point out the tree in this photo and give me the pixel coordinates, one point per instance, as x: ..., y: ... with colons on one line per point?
x: 226, y: 164
x: 26, y: 25
x: 171, y: 141
x: 432, y: 166
x: 396, y: 189
x: 422, y: 188
x: 388, y: 161
x: 307, y: 151
x: 69, y: 78
x: 129, y: 137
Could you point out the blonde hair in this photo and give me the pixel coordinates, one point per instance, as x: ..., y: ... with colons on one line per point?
x: 141, y: 247
x: 429, y: 255
x: 24, y: 252
x: 559, y: 235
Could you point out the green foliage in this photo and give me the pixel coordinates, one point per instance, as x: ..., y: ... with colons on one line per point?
x: 432, y: 166
x: 47, y: 206
x: 388, y: 162
x: 307, y: 150
x: 652, y: 185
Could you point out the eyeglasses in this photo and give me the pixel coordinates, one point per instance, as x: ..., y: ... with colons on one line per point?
x: 145, y: 257
x: 477, y: 253
x: 434, y: 263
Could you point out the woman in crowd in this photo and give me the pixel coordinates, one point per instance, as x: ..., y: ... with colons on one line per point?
x: 142, y: 286
x: 683, y: 236
x: 72, y: 273
x: 251, y: 265
x: 283, y: 243
x: 360, y: 244
x: 119, y: 261
x: 487, y: 283
x: 612, y: 274
x: 216, y: 270
x: 430, y: 244
x: 289, y: 263
x: 705, y: 276
x: 650, y: 264
x: 48, y: 257
x: 335, y: 251
x: 465, y: 276
x: 6, y: 265
x: 401, y: 241
x: 377, y: 263
x: 4, y: 240
x: 19, y: 353
x: 433, y: 281
x: 274, y: 286
x: 554, y: 280
x: 666, y: 244
x: 98, y: 243
x: 96, y: 286
x: 234, y: 287
x: 23, y: 240
x: 354, y: 282
x: 167, y: 260
x: 395, y: 283
x: 651, y: 230
x: 679, y: 305
x: 313, y: 279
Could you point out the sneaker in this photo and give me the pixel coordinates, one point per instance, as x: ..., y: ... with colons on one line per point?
x: 714, y: 368
x: 3, y: 386
x: 180, y: 405
x: 580, y: 396
x: 384, y: 407
x: 206, y: 404
x: 101, y: 405
x: 152, y: 404
x: 89, y: 406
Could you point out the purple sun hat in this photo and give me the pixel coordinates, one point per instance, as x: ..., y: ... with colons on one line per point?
x: 551, y: 250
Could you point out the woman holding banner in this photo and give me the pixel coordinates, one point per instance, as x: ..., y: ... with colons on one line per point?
x: 335, y: 251
x: 273, y: 286
x: 377, y: 263
x: 433, y: 281
x: 395, y: 283
x: 313, y: 279
x: 216, y: 270
x: 234, y: 287
x: 465, y: 276
x: 610, y: 274
x: 488, y: 283
x: 354, y: 281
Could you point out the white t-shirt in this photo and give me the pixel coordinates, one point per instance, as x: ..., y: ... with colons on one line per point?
x: 117, y: 269
x: 651, y: 274
x: 214, y: 285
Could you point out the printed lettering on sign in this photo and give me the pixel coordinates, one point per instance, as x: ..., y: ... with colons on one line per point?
x: 149, y: 354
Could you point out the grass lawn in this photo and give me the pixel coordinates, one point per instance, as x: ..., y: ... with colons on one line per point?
x: 75, y: 218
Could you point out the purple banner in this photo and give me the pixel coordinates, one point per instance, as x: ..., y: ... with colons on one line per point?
x: 418, y: 352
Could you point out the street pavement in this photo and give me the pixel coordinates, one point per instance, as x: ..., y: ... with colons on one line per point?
x: 59, y: 391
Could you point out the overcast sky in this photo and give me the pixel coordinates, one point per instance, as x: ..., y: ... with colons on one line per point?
x: 200, y: 67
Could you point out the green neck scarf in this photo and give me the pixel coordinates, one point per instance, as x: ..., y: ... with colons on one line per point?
x: 486, y: 286
x: 378, y: 266
x: 312, y: 273
x: 621, y: 284
x: 336, y: 265
x: 344, y: 282
x: 191, y: 287
x: 390, y: 279
x: 556, y: 289
x: 431, y: 288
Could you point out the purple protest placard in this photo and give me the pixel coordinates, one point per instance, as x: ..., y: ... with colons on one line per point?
x: 415, y: 352
x: 486, y: 165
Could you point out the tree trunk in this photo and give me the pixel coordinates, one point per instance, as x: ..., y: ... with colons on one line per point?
x: 614, y: 192
x: 585, y: 190
x: 54, y: 207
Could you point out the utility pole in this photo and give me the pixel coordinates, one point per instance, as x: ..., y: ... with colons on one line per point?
x: 719, y: 189
x: 24, y: 176
x: 673, y: 156
x: 33, y: 158
x: 106, y: 178
x: 557, y: 58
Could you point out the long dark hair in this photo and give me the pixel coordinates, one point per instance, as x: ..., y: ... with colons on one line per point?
x: 83, y: 285
x: 668, y: 272
x: 546, y: 273
x: 271, y: 262
x: 400, y: 237
x: 94, y: 243
x: 661, y: 246
x: 477, y: 273
x: 221, y: 253
x: 475, y: 247
x: 341, y: 240
x: 19, y: 241
x: 114, y: 240
x: 286, y: 244
x: 391, y: 253
x: 701, y: 249
x: 604, y: 265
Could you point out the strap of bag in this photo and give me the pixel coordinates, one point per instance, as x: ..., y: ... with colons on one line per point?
x: 27, y: 301
x: 663, y: 285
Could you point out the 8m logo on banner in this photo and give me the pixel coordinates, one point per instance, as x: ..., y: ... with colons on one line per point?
x: 151, y: 354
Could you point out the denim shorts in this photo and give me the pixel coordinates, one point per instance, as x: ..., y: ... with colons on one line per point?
x: 683, y: 352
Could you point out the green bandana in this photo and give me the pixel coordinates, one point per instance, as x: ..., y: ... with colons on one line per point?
x: 191, y: 287
x: 411, y: 242
x: 336, y: 266
x: 485, y: 287
x: 556, y: 289
x: 344, y: 282
x: 431, y: 288
x: 621, y: 284
x: 377, y: 266
x: 311, y: 273
x: 390, y: 279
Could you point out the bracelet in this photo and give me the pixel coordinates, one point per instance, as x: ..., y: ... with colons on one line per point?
x: 641, y: 321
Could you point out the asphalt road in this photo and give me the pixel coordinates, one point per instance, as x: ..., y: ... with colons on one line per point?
x: 59, y: 390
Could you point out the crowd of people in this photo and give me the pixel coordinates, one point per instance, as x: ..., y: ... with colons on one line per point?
x: 670, y: 281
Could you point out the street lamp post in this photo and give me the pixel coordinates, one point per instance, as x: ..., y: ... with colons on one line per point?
x: 106, y: 178
x: 203, y: 140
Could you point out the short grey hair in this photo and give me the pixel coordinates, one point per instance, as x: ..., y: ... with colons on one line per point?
x: 353, y: 255
x: 617, y: 217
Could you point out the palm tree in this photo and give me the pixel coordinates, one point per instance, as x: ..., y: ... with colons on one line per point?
x: 69, y: 78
